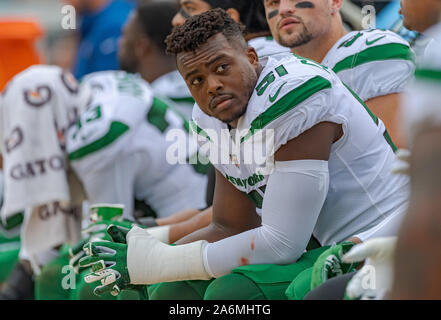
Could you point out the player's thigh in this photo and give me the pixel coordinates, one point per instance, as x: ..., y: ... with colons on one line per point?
x: 179, y: 290
x: 256, y: 282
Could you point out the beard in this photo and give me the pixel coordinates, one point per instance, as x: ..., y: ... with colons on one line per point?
x: 302, y: 38
x: 235, y: 115
x: 251, y: 80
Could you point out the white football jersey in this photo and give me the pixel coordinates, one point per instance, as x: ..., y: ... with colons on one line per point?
x: 118, y: 148
x: 172, y: 86
x: 372, y: 62
x: 292, y: 95
x: 267, y: 46
x: 422, y: 100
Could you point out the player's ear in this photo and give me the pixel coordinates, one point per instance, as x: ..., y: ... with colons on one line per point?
x: 335, y: 5
x: 253, y: 58
x: 143, y: 46
x: 234, y: 14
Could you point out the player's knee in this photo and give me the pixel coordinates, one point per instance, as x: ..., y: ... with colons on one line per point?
x: 180, y: 290
x: 233, y: 286
x: 48, y: 284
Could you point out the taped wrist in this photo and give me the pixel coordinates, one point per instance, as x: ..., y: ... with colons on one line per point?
x: 161, y: 233
x: 150, y: 261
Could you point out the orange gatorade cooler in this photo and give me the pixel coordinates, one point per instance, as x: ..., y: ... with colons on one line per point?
x: 17, y: 46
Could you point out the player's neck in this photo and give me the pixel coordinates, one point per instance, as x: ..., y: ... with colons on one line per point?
x: 153, y: 68
x: 318, y: 48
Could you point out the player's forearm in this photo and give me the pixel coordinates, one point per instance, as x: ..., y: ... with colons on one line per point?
x: 177, y: 217
x: 210, y: 233
x: 184, y: 228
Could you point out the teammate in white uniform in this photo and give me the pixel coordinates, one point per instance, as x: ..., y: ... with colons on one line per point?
x: 118, y: 148
x: 142, y: 50
x: 331, y: 179
x: 375, y: 64
x: 172, y: 86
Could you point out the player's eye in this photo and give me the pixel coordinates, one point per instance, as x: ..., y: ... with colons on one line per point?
x: 189, y: 9
x: 222, y: 68
x: 196, y: 81
x: 271, y: 3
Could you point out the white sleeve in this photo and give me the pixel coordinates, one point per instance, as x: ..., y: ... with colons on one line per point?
x: 294, y: 196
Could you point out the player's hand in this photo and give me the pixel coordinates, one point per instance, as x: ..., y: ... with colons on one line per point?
x: 374, y: 279
x: 108, y: 261
x: 118, y: 234
x: 76, y: 253
x: 94, y: 232
x: 329, y: 264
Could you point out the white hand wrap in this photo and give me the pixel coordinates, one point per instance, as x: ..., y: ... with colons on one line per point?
x: 151, y: 261
x: 161, y: 233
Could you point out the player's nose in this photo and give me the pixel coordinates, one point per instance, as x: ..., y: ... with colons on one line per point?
x: 214, y: 85
x: 178, y: 20
x: 286, y: 7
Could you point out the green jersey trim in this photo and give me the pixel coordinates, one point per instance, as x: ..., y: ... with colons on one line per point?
x: 428, y: 74
x: 373, y: 116
x: 156, y: 114
x: 199, y: 130
x: 116, y: 130
x: 288, y: 102
x: 390, y: 51
x: 188, y: 100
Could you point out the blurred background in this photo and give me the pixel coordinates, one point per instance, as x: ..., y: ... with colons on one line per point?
x: 31, y: 32
x: 47, y: 16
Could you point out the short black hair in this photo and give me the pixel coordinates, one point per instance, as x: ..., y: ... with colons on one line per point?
x: 154, y: 18
x: 197, y: 29
x: 252, y: 13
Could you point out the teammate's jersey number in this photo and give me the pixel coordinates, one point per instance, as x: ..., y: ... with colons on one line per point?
x: 90, y: 115
x: 128, y: 84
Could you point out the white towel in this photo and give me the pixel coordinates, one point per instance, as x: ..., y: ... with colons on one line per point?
x: 38, y: 106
